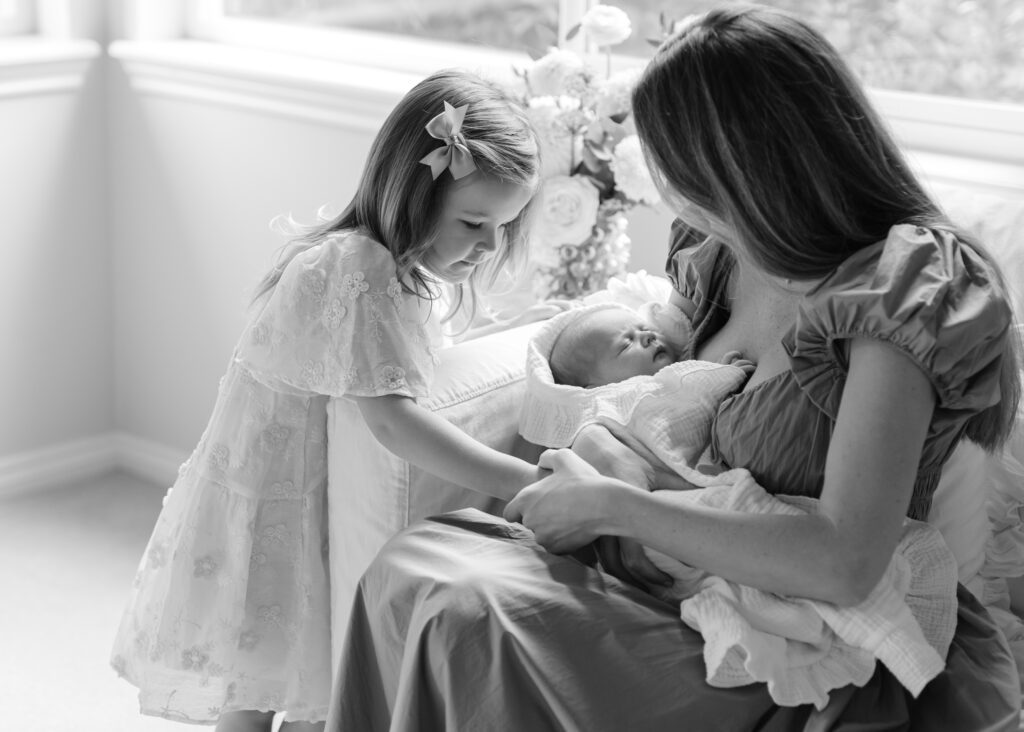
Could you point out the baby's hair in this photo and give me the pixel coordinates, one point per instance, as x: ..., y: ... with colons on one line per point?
x: 397, y: 201
x: 572, y: 354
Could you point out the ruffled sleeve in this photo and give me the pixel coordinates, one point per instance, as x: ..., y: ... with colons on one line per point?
x: 338, y: 322
x: 699, y: 268
x: 924, y: 292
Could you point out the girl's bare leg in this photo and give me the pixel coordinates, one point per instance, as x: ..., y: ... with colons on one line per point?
x: 245, y: 721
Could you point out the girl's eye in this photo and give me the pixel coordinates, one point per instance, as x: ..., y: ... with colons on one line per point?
x: 472, y: 224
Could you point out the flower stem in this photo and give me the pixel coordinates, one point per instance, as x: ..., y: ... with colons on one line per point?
x: 608, y: 62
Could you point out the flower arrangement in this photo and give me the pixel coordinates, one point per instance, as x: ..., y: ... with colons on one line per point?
x: 593, y: 168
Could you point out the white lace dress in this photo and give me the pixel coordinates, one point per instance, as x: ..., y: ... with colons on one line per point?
x: 230, y: 608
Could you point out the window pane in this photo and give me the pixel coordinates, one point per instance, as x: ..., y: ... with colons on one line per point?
x: 963, y: 48
x: 520, y: 25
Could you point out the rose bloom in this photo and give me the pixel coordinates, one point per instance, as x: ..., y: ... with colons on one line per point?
x: 555, y: 72
x: 606, y: 25
x: 632, y: 176
x: 567, y: 211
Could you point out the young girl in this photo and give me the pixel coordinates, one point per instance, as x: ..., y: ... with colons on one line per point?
x: 229, y: 617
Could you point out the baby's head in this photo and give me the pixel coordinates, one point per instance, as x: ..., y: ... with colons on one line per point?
x: 606, y: 346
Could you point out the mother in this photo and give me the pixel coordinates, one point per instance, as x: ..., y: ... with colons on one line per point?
x: 881, y: 336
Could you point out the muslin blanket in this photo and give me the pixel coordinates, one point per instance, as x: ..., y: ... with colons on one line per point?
x: 666, y: 416
x: 800, y: 648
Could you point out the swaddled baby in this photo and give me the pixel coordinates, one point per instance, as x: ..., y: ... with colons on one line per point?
x: 614, y: 366
x: 611, y: 365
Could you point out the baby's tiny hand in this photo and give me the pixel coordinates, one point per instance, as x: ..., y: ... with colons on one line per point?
x: 735, y: 358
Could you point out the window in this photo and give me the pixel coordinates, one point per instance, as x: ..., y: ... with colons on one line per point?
x: 972, y: 49
x: 517, y: 25
x: 17, y: 17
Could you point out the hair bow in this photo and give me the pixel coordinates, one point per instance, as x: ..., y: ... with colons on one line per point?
x: 453, y: 155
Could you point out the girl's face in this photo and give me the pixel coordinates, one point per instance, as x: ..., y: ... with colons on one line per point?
x: 471, y: 227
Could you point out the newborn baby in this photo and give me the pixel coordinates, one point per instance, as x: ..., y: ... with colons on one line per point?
x: 608, y: 345
x: 611, y: 365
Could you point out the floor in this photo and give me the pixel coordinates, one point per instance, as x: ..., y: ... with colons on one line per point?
x: 67, y: 557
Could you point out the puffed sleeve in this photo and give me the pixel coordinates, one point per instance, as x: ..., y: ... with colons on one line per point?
x: 699, y: 268
x: 926, y: 293
x: 338, y: 322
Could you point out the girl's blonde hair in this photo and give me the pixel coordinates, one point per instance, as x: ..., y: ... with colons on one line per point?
x: 398, y: 203
x: 753, y: 116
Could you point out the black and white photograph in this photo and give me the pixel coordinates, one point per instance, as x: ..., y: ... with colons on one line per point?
x: 512, y: 365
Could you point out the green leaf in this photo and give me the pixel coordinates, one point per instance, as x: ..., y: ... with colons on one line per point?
x: 655, y: 41
x: 619, y: 118
x: 572, y: 32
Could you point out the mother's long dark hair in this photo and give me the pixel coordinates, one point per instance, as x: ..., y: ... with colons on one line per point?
x: 753, y: 116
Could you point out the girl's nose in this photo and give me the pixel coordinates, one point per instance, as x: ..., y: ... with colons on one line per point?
x: 489, y: 240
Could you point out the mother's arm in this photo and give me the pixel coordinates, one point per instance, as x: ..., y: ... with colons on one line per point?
x: 837, y: 555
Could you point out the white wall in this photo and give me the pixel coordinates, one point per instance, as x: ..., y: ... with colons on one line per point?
x: 55, y: 307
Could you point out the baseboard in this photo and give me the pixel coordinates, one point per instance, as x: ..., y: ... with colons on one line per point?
x: 57, y: 464
x: 67, y: 462
x: 147, y: 459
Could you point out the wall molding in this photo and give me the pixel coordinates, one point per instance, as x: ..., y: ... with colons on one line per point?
x: 309, y: 89
x: 67, y: 462
x: 35, y: 65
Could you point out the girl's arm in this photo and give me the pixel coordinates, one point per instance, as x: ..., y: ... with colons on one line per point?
x: 837, y: 555
x: 434, y: 444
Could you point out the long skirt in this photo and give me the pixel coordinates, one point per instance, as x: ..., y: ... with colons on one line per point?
x: 463, y: 622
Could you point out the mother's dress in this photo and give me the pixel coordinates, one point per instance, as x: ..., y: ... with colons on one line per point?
x: 464, y: 623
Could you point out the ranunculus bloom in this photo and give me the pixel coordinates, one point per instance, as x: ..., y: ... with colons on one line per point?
x: 606, y: 25
x: 632, y: 176
x: 555, y: 73
x: 567, y: 211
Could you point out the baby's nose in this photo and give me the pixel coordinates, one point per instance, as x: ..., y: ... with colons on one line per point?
x: 647, y: 338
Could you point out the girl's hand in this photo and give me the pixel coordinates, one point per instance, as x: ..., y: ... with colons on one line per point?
x: 566, y: 509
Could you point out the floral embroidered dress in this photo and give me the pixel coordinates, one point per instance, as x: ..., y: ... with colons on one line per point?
x: 230, y: 608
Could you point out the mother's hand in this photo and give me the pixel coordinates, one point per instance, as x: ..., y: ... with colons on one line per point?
x: 567, y: 509
x: 624, y: 558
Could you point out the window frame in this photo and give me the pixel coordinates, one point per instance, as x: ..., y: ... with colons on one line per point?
x: 22, y: 20
x: 205, y: 20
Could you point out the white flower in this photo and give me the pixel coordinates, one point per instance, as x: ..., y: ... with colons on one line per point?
x: 632, y: 176
x: 558, y: 146
x: 568, y: 209
x: 614, y: 93
x: 606, y: 25
x: 555, y: 73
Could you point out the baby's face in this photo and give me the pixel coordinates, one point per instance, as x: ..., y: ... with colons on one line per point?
x: 623, y: 346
